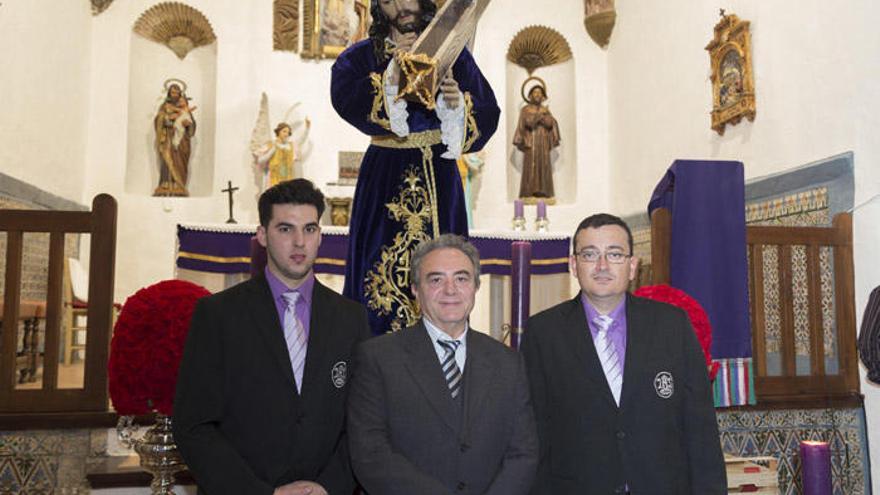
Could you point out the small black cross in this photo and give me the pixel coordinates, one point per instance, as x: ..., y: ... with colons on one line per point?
x: 229, y: 189
x: 721, y: 12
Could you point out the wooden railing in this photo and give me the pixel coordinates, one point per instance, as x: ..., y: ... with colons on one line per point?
x: 100, y: 223
x: 786, y: 383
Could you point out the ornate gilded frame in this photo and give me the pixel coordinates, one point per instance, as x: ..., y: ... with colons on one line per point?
x: 311, y: 23
x: 733, y: 83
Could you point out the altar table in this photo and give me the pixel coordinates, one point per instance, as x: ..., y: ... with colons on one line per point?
x: 225, y: 249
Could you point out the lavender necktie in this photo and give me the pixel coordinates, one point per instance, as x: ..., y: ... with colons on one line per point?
x: 295, y: 335
x: 608, y: 356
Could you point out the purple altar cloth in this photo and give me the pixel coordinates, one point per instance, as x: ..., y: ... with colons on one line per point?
x: 218, y: 252
x: 708, y: 252
x: 227, y: 250
x: 549, y: 256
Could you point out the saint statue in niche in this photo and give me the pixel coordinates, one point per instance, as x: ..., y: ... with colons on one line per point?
x: 275, y: 156
x: 537, y: 134
x: 175, y: 127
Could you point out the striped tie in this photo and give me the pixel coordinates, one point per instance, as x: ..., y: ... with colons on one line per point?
x: 295, y: 335
x: 450, y: 367
x: 608, y: 356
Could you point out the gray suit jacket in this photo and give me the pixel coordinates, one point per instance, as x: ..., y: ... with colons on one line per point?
x: 404, y: 429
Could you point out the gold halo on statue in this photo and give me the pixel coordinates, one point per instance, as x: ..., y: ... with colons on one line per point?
x: 541, y: 83
x: 183, y: 85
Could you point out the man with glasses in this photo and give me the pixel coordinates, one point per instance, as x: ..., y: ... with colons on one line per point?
x: 619, y: 383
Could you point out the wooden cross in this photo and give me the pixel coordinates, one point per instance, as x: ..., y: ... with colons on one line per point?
x: 229, y: 190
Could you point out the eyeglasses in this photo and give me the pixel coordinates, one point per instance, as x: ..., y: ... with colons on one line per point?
x: 593, y: 256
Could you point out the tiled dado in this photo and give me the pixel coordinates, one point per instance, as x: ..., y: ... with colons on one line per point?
x: 777, y: 433
x: 49, y: 461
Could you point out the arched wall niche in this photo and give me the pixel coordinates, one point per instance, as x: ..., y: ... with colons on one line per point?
x: 557, y: 70
x: 159, y: 53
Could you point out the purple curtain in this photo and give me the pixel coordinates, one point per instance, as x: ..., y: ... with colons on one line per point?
x: 708, y: 252
x: 869, y: 337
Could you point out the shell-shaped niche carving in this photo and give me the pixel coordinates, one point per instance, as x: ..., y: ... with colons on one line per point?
x: 538, y: 46
x: 177, y: 26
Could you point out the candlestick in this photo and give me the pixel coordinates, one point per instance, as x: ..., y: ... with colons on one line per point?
x: 815, y: 467
x: 519, y: 221
x: 520, y: 288
x: 542, y: 225
x: 542, y: 209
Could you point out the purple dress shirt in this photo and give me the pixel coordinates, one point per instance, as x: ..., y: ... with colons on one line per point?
x: 303, y: 306
x: 617, y: 331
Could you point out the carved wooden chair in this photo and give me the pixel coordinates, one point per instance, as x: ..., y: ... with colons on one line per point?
x: 76, y: 283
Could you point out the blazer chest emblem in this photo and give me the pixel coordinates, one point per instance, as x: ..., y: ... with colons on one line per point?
x: 664, y: 385
x: 339, y: 374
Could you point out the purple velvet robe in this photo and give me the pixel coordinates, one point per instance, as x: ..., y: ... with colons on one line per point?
x: 392, y: 208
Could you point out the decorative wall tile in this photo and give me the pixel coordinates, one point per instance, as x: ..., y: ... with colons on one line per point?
x: 778, y: 433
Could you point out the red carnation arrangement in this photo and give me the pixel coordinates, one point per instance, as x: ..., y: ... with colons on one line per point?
x: 696, y: 313
x: 147, y: 346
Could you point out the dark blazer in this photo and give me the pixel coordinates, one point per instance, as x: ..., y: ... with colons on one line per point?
x: 409, y: 437
x: 239, y: 421
x: 661, y: 440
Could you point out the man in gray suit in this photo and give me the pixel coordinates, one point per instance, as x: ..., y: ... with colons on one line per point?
x: 440, y: 408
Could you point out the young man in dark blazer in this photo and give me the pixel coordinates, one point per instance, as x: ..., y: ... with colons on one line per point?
x: 260, y: 405
x: 440, y: 408
x: 619, y: 383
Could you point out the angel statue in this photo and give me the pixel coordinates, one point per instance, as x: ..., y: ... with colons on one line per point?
x: 274, y: 157
x: 175, y: 127
x: 470, y: 168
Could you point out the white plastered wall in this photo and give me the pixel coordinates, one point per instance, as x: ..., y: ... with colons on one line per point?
x: 816, y: 69
x: 44, y: 81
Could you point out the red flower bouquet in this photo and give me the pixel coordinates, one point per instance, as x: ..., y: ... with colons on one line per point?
x: 696, y: 313
x: 147, y: 346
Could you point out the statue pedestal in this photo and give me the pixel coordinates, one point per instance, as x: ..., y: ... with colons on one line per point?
x: 170, y: 189
x: 600, y: 25
x: 340, y: 211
